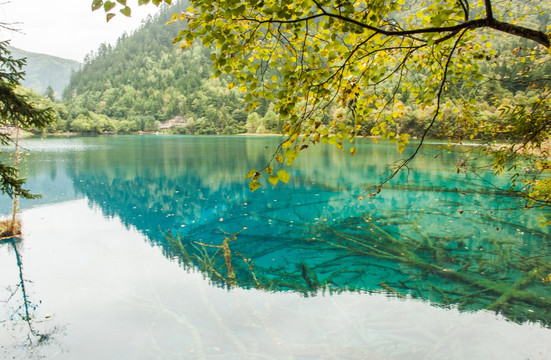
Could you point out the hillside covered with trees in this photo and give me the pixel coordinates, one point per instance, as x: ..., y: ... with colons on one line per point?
x: 145, y: 82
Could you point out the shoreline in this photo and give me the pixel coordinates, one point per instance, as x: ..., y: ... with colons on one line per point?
x: 436, y: 141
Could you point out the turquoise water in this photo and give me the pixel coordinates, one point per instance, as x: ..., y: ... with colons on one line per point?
x: 161, y: 239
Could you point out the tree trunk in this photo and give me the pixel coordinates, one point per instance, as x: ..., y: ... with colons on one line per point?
x: 14, y: 227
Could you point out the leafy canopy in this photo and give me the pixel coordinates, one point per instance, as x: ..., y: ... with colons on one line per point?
x: 309, y: 56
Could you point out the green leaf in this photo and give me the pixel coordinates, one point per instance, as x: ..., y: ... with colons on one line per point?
x: 156, y: 3
x: 143, y: 2
x: 108, y: 6
x: 126, y: 11
x: 109, y: 16
x: 96, y: 4
x: 283, y: 176
x: 122, y: 2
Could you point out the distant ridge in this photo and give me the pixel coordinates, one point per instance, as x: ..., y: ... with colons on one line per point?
x: 45, y: 70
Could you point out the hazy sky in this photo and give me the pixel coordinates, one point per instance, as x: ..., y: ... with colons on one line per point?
x: 65, y: 28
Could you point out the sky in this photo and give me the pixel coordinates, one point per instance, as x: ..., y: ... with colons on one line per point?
x: 65, y: 28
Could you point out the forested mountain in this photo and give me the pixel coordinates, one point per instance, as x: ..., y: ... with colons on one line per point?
x: 145, y: 81
x: 45, y: 70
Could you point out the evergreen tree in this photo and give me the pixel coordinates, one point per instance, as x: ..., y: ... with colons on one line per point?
x: 50, y: 94
x: 16, y: 111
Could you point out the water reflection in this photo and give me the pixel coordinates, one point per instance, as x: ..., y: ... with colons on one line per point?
x: 431, y: 234
x: 28, y: 333
x: 121, y: 298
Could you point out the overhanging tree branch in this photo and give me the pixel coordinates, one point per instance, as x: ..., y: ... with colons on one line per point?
x: 488, y: 22
x: 404, y: 163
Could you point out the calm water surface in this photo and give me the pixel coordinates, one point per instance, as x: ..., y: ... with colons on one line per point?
x: 152, y: 247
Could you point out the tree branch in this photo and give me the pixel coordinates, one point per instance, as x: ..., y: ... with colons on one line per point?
x: 538, y: 36
x: 489, y: 12
x: 404, y: 163
x: 488, y: 22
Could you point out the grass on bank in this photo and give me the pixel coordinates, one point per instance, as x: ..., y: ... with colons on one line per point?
x: 7, y: 230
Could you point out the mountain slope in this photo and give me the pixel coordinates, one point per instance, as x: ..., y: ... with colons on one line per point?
x: 145, y: 79
x: 45, y: 70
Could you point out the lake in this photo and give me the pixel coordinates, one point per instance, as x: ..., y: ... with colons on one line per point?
x: 153, y: 247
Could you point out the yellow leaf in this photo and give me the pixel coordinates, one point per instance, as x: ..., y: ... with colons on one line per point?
x: 283, y: 175
x: 290, y: 154
x: 353, y: 151
x: 273, y: 179
x: 316, y: 137
x: 401, y: 148
x: 253, y: 185
x: 286, y: 144
x: 279, y: 158
x: 269, y: 170
x: 250, y: 173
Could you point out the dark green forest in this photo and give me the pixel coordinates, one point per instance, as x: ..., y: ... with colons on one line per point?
x: 146, y: 83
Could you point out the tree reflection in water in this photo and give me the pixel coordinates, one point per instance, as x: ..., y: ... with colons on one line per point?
x: 433, y: 235
x: 398, y: 254
x: 27, y: 334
